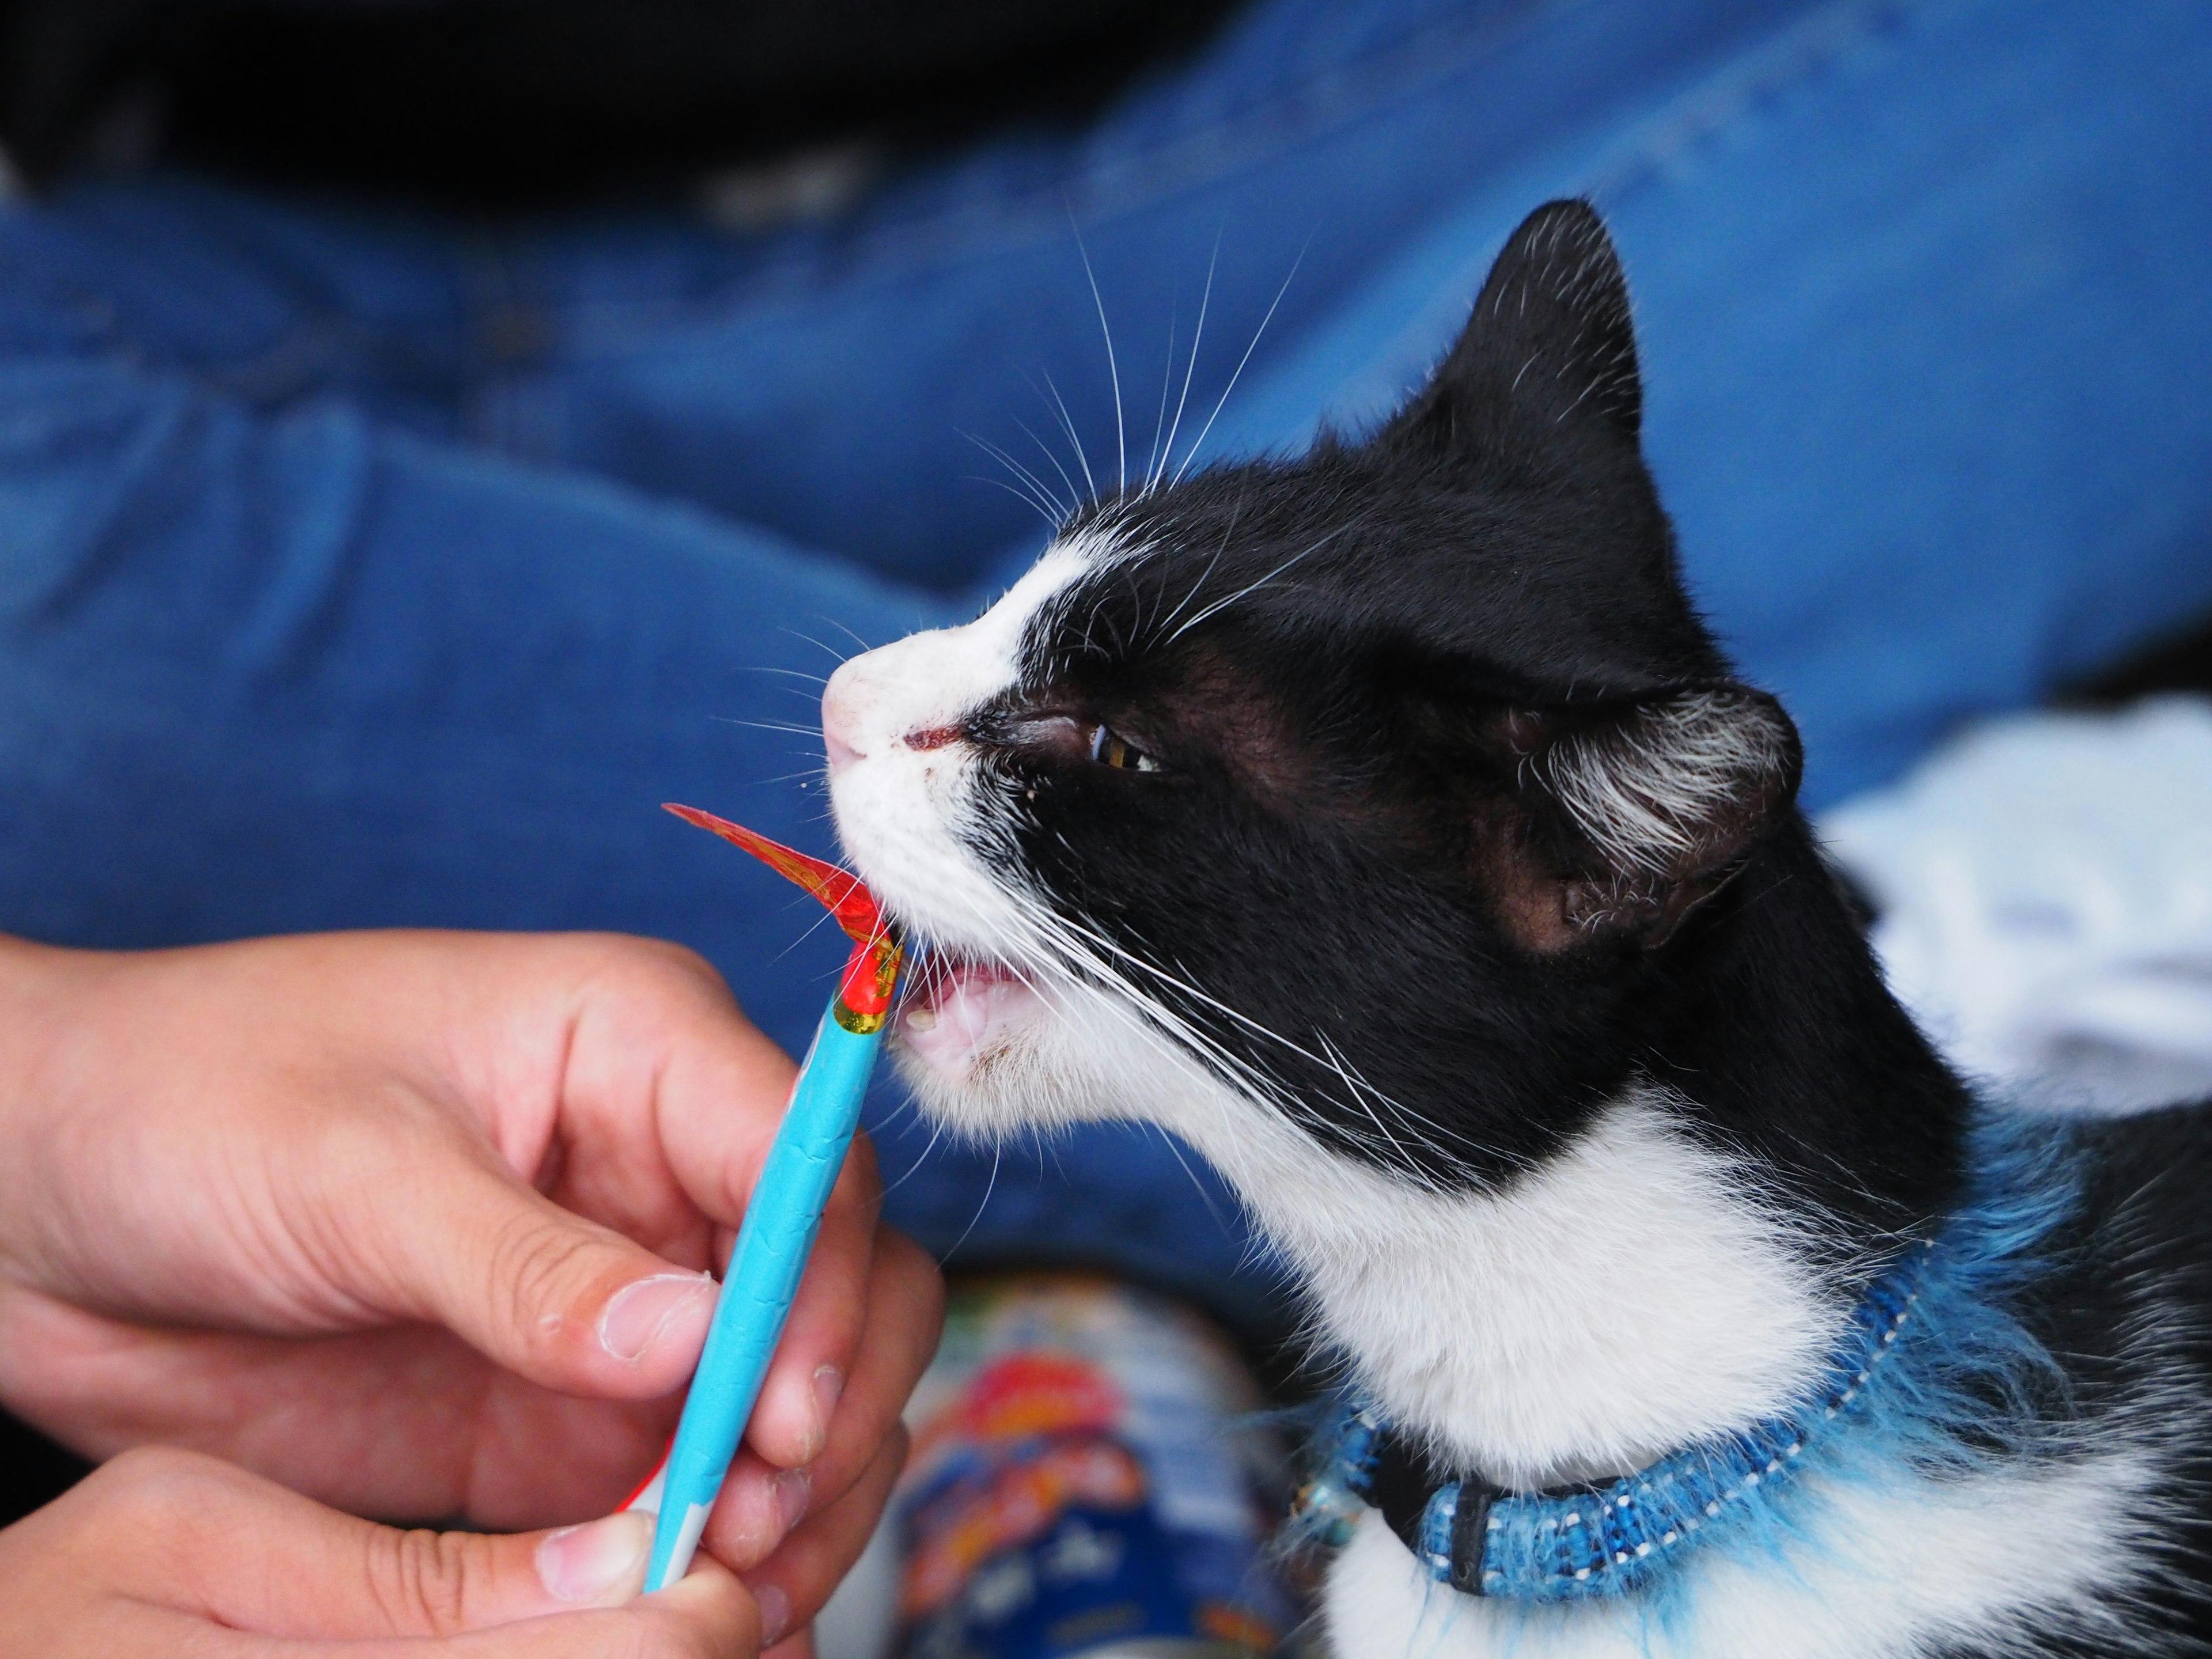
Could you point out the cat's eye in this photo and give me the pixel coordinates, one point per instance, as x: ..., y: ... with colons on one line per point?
x: 1109, y: 748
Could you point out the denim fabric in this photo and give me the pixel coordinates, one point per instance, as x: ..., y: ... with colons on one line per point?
x: 360, y: 567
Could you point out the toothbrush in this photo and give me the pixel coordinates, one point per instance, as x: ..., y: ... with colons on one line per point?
x: 785, y: 1209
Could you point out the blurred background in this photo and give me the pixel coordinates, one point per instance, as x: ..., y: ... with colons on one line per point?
x: 434, y: 432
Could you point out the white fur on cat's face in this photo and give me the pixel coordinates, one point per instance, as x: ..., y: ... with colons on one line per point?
x: 919, y: 819
x: 1021, y: 1023
x: 912, y: 806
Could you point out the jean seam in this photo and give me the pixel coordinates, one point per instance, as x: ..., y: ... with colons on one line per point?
x: 1807, y: 53
x: 1092, y: 187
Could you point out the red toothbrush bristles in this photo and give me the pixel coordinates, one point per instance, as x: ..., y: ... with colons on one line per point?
x: 842, y: 894
x: 871, y: 971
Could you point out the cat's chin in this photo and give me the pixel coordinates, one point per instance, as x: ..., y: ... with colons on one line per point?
x: 964, y: 1016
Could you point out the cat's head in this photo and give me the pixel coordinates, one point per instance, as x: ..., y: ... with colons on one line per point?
x: 1353, y: 799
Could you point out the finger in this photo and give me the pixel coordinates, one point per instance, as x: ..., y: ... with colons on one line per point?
x: 562, y: 1301
x: 717, y: 1121
x: 406, y: 1421
x: 905, y: 1308
x: 791, y: 1585
x: 710, y: 1597
x: 689, y: 1629
x: 821, y: 1340
x: 707, y: 1614
x: 232, y: 1548
x: 710, y: 1615
x: 656, y: 1056
x: 758, y: 1506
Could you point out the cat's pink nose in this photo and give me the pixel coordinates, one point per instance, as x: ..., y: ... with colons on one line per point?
x: 837, y: 720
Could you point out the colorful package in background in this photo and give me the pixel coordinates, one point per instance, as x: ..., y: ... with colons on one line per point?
x: 1087, y: 1478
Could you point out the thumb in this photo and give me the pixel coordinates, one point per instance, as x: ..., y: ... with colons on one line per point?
x: 227, y: 1545
x: 431, y: 1583
x: 562, y: 1301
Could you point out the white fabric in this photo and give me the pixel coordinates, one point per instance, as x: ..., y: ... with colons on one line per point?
x: 2046, y: 886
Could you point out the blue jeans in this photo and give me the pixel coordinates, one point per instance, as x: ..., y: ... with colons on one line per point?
x: 362, y: 568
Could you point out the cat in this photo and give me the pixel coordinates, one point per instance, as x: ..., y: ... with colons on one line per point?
x: 1387, y: 824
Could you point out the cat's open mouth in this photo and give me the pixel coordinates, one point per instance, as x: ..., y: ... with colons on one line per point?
x: 958, y: 1009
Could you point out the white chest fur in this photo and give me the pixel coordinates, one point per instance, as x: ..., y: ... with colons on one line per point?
x: 1627, y: 1297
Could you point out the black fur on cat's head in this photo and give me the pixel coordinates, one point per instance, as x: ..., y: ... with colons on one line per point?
x: 1401, y: 788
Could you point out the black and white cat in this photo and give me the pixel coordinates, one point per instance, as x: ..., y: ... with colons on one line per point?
x: 1386, y: 824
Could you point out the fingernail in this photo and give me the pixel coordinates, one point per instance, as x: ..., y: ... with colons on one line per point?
x: 829, y: 1383
x: 774, y: 1613
x: 637, y: 1315
x: 794, y: 1491
x: 601, y: 1562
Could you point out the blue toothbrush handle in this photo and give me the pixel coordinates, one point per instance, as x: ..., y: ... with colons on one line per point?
x: 773, y: 1244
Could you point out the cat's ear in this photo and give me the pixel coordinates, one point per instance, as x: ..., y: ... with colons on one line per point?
x: 1622, y: 820
x: 1549, y: 349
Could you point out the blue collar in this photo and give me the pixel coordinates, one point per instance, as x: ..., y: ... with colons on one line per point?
x: 1565, y: 1544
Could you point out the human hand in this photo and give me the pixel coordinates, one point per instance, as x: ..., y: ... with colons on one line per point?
x: 164, y: 1553
x: 412, y: 1223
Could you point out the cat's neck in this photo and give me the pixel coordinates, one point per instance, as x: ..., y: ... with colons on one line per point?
x: 1773, y: 1019
x: 1632, y: 1294
x: 1688, y: 1264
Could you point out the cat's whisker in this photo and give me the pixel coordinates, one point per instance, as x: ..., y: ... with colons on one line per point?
x: 767, y: 726
x: 1046, y: 501
x: 1211, y: 565
x: 1023, y: 496
x: 1197, y: 334
x: 835, y: 655
x: 1160, y: 416
x: 1046, y: 509
x: 1074, y: 496
x: 1266, y: 1089
x: 1337, y: 1063
x: 821, y: 921
x: 1419, y: 1124
x: 938, y: 1129
x: 1113, y: 368
x: 1198, y: 442
x: 1061, y: 937
x: 1067, y: 425
x: 843, y: 628
x: 990, y: 1186
x: 1175, y: 1151
x: 1245, y: 593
